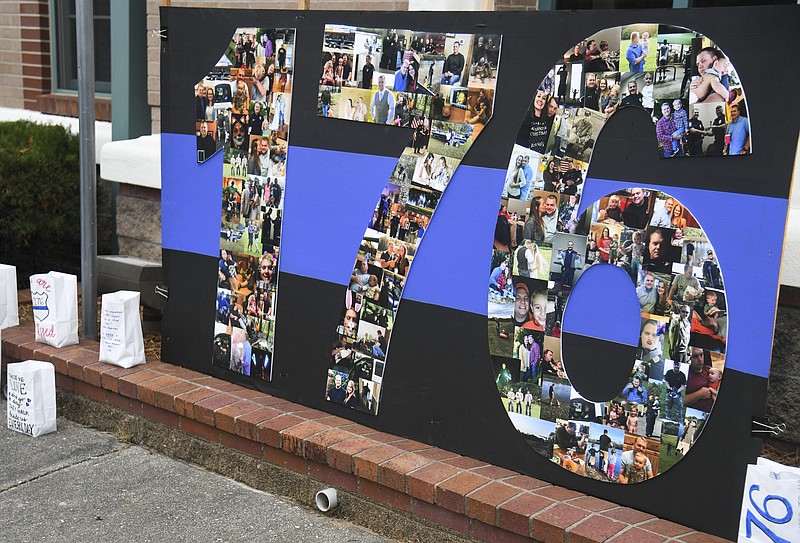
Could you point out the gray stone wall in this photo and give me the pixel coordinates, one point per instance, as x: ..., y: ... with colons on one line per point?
x: 139, y: 227
x: 783, y: 399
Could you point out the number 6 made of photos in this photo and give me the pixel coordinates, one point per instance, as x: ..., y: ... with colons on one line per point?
x: 440, y: 87
x: 542, y: 247
x: 242, y: 107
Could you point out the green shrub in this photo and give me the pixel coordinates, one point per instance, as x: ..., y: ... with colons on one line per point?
x: 39, y: 196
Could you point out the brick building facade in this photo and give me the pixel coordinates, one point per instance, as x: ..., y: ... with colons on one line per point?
x: 26, y: 62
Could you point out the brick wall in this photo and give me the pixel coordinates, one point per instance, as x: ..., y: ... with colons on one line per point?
x: 35, y: 47
x: 11, y: 54
x: 26, y: 64
x: 154, y: 65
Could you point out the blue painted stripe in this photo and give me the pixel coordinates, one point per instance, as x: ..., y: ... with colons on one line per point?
x: 191, y: 197
x: 747, y: 234
x: 604, y: 305
x: 329, y: 201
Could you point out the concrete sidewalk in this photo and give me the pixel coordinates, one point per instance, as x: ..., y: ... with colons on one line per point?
x: 79, y: 484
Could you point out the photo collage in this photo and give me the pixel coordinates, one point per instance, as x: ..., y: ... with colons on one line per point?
x: 440, y: 87
x: 680, y: 357
x: 681, y: 79
x: 541, y: 248
x: 242, y: 108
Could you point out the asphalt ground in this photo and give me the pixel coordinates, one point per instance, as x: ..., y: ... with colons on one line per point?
x: 80, y: 484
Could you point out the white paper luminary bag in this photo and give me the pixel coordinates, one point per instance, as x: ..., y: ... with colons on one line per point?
x: 55, y: 308
x: 9, y: 307
x: 31, y: 397
x: 121, y: 340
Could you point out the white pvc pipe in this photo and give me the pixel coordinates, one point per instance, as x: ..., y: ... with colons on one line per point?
x: 327, y: 500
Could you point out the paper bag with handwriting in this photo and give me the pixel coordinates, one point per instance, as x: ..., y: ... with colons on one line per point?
x: 770, y: 504
x: 121, y: 341
x: 55, y: 308
x: 31, y: 405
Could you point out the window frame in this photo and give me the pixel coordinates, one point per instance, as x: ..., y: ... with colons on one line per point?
x: 59, y: 21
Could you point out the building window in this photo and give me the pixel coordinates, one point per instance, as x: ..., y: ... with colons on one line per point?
x: 65, y: 46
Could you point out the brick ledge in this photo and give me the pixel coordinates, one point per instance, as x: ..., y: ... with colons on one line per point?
x: 468, y: 496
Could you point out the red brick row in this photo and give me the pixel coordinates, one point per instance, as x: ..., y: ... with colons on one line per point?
x: 59, y: 104
x: 477, y: 499
x: 35, y: 46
